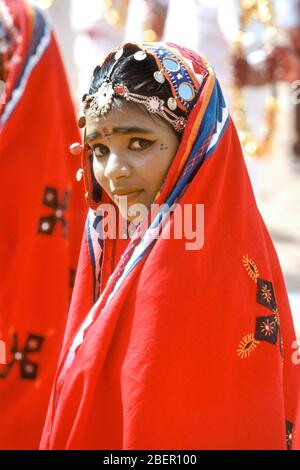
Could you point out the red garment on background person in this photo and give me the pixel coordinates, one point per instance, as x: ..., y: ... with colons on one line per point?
x: 184, y: 349
x: 42, y: 213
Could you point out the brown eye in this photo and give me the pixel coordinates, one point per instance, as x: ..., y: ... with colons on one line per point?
x: 136, y: 143
x: 100, y: 150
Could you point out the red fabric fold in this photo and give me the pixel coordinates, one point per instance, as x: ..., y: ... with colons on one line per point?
x: 43, y: 216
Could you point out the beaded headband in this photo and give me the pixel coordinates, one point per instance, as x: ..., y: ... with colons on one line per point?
x: 170, y: 68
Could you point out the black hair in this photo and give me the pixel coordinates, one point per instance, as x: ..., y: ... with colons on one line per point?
x: 136, y: 75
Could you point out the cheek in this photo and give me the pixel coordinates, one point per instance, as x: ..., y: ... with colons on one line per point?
x: 166, y: 157
x: 159, y: 166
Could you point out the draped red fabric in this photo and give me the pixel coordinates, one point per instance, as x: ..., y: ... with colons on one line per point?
x: 42, y: 220
x: 196, y: 349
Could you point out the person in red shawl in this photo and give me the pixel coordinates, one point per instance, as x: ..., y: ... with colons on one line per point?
x: 42, y: 216
x: 168, y: 345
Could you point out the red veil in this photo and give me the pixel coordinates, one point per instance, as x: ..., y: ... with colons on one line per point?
x: 42, y: 217
x: 184, y: 349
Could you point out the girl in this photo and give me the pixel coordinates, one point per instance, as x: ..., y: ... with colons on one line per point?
x: 171, y: 345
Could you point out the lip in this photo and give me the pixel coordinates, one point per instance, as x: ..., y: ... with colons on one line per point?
x: 128, y: 193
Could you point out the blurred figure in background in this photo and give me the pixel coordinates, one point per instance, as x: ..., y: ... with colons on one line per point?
x: 281, y: 63
x: 42, y: 215
x: 146, y: 20
x: 208, y: 27
x: 99, y: 26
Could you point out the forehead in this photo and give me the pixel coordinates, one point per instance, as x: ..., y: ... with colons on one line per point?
x: 125, y: 116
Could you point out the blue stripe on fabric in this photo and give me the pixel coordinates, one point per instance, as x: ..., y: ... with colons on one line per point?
x: 91, y: 251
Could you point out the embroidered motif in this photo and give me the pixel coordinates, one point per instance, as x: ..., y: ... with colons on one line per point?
x: 280, y: 343
x: 289, y: 434
x: 28, y: 369
x: 251, y: 267
x: 184, y: 88
x: 265, y: 294
x: 266, y: 329
x: 197, y: 158
x: 247, y: 346
x: 47, y: 223
x: 276, y: 316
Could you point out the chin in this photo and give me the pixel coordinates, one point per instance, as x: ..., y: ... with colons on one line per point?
x: 129, y: 212
x: 123, y: 213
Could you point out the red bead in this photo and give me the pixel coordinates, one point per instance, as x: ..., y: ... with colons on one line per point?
x: 120, y: 89
x: 179, y: 124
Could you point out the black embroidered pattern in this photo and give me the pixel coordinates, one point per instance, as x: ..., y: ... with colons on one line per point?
x: 266, y: 329
x: 28, y: 369
x: 47, y: 223
x: 280, y: 342
x: 289, y: 434
x: 265, y: 294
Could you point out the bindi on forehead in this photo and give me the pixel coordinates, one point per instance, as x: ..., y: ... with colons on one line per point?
x: 106, y: 132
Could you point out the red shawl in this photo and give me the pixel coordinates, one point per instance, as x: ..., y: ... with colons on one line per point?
x: 184, y: 349
x: 42, y: 217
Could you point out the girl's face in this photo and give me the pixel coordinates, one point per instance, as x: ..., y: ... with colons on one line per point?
x: 132, y: 155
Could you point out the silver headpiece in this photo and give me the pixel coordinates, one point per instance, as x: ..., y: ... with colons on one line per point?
x: 100, y: 102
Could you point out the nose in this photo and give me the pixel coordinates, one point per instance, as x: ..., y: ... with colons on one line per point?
x: 117, y: 167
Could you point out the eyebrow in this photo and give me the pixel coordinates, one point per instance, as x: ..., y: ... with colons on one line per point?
x: 120, y: 130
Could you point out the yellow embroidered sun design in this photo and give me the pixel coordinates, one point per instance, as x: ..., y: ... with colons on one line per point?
x: 247, y: 345
x: 251, y: 267
x: 276, y: 316
x: 266, y: 293
x: 267, y: 328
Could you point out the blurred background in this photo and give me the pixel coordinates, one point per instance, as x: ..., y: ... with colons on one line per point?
x: 254, y: 46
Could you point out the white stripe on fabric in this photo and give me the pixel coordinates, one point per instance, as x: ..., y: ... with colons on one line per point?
x: 220, y: 126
